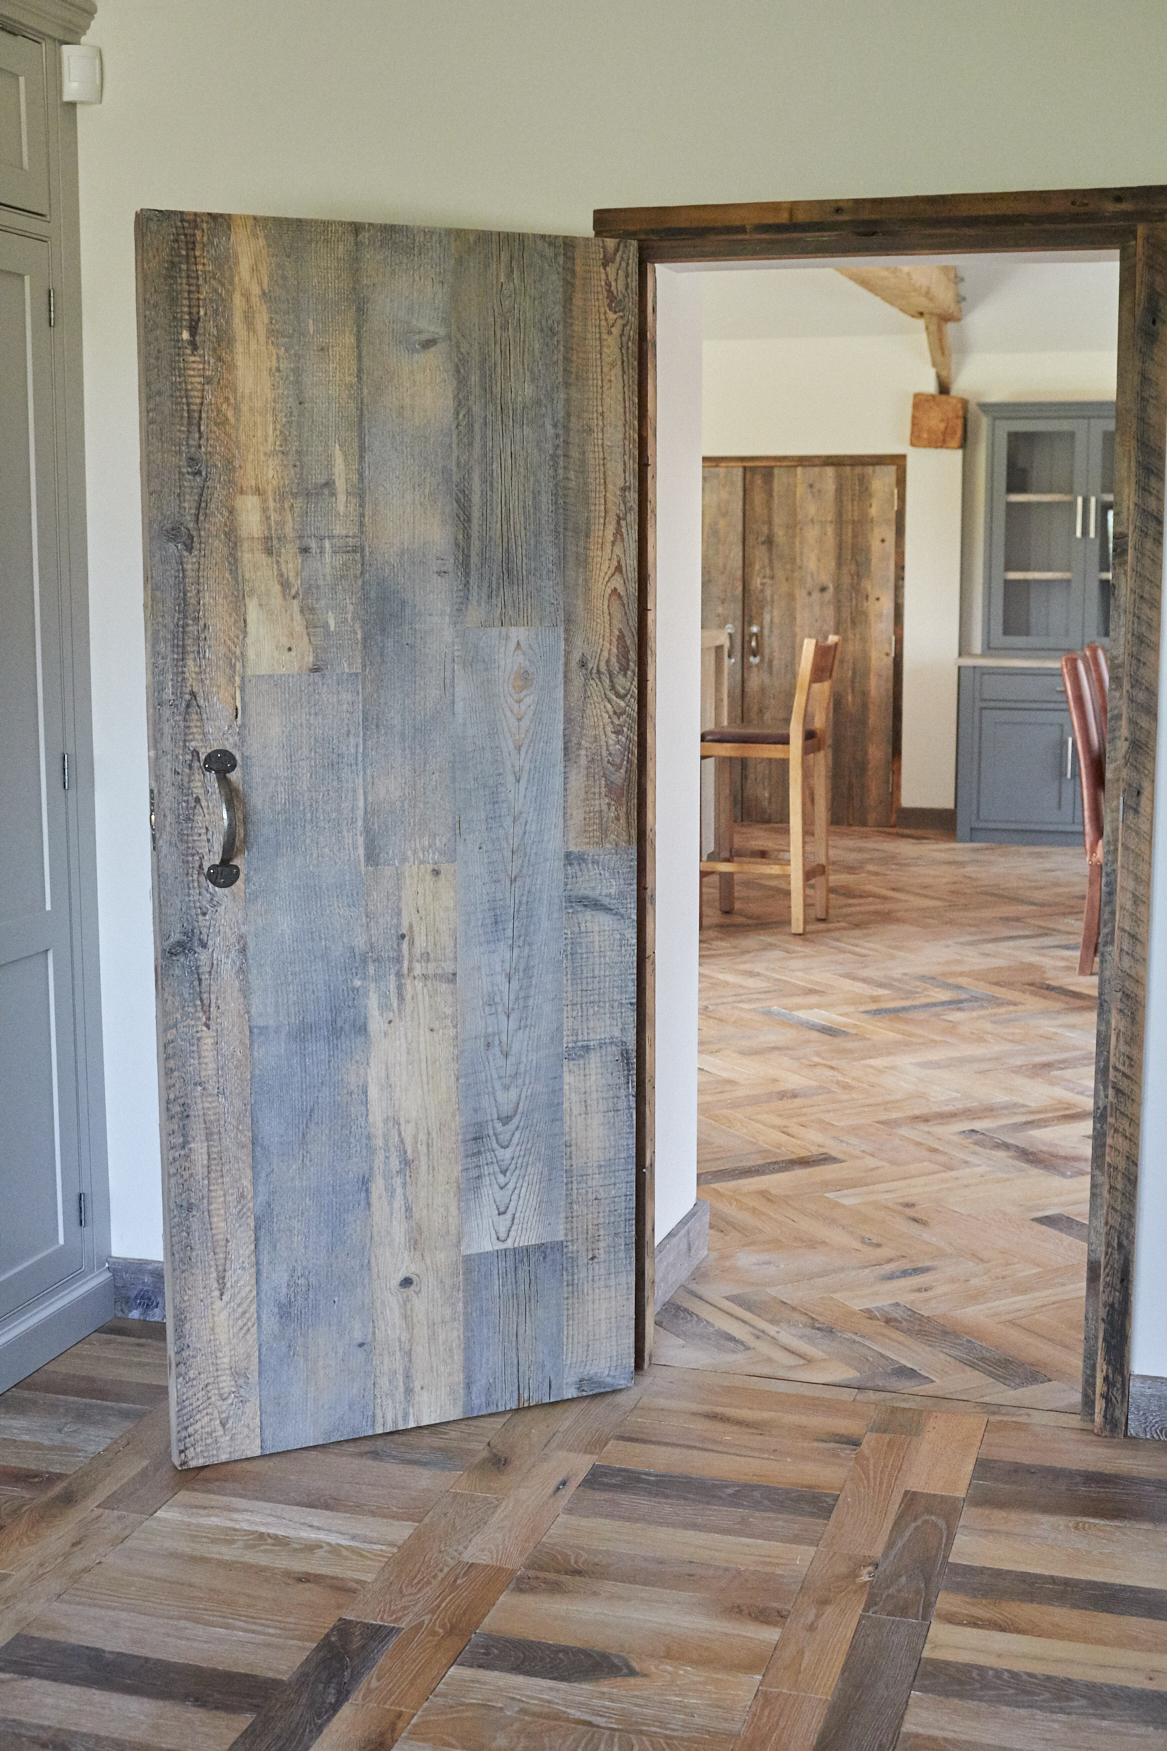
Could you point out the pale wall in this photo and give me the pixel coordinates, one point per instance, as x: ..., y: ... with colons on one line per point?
x: 678, y: 731
x: 852, y: 396
x: 524, y: 113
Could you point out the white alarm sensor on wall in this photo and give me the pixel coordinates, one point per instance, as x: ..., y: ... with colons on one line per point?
x: 80, y: 73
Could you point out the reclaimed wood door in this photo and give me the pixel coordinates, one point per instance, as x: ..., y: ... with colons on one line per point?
x: 812, y: 546
x: 390, y: 509
x: 820, y: 557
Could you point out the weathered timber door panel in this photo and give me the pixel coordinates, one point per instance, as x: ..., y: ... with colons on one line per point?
x: 817, y: 552
x: 390, y: 483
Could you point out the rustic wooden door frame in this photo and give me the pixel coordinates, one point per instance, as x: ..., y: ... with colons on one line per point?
x: 899, y: 461
x: 1133, y: 221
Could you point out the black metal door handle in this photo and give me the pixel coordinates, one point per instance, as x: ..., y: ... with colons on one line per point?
x: 221, y: 761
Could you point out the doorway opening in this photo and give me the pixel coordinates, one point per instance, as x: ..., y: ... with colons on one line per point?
x: 895, y: 1109
x: 826, y: 233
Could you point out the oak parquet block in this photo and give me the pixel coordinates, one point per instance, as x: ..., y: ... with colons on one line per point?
x: 203, y: 1687
x: 709, y: 1527
x: 868, y: 1702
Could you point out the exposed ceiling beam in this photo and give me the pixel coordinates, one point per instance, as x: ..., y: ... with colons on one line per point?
x: 924, y: 291
x: 940, y: 350
x: 927, y: 293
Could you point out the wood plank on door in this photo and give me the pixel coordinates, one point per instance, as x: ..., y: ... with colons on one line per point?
x: 390, y: 501
x: 820, y: 556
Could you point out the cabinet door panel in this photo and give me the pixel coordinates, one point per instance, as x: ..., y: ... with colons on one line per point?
x: 24, y: 161
x: 1037, y: 558
x: 1099, y: 530
x: 40, y: 1168
x: 1021, y: 778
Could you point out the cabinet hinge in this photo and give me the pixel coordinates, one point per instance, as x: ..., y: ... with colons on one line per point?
x: 64, y: 771
x: 52, y: 308
x: 81, y: 1208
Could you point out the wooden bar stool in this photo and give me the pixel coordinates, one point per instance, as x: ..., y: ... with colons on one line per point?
x: 804, y: 747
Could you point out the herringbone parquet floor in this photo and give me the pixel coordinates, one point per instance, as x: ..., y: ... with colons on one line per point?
x: 895, y: 1127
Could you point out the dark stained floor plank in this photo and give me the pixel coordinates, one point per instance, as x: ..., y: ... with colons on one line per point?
x: 1059, y: 1592
x: 1048, y: 1489
x: 296, y: 1716
x: 57, y: 1662
x: 1106, y: 1704
x: 868, y: 1704
x: 908, y: 1578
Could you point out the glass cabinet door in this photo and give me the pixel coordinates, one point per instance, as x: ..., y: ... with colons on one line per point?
x: 1038, y: 559
x: 1100, y: 531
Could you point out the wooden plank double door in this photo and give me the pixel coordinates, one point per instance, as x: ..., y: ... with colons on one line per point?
x: 796, y: 548
x: 390, y: 503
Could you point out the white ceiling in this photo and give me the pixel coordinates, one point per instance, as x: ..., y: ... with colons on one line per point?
x: 1012, y: 303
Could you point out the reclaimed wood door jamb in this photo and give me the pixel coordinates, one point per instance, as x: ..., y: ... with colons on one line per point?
x: 1134, y: 222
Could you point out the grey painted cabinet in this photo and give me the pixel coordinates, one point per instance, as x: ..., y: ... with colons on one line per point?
x: 1049, y: 510
x: 1017, y: 780
x: 54, y: 1207
x: 1049, y: 506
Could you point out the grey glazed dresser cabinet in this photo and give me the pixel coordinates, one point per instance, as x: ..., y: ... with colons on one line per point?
x: 1049, y: 499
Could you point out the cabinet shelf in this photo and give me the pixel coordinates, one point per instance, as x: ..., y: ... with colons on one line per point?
x: 1049, y: 511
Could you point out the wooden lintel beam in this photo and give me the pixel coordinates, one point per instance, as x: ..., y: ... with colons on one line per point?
x: 917, y: 291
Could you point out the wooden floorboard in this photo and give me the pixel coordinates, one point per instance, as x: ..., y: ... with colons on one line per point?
x: 711, y: 1560
x: 850, y: 1508
x: 895, y: 1116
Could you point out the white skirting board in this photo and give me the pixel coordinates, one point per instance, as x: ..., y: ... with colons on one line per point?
x: 680, y: 1252
x: 1147, y: 1413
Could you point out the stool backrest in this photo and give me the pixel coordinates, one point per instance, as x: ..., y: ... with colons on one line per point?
x: 812, y: 691
x: 1089, y: 743
x: 1100, y: 676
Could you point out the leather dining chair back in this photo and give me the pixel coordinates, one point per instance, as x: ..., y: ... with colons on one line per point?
x: 1088, y: 740
x: 1099, y: 667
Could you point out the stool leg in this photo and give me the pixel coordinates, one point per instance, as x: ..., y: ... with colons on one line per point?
x: 822, y: 830
x: 723, y: 828
x: 797, y: 848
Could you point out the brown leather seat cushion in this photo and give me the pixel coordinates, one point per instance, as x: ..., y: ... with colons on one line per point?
x: 745, y: 733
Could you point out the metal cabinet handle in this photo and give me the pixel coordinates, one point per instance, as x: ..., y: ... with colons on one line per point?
x: 224, y: 874
x: 755, y: 644
x: 729, y: 656
x: 1093, y: 514
x: 1078, y: 519
x: 1069, y: 757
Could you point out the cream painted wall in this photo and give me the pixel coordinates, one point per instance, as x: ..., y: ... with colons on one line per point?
x: 678, y: 731
x: 1011, y: 377
x: 852, y: 396
x: 523, y: 113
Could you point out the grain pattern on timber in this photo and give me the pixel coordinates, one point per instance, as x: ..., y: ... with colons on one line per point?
x: 195, y: 618
x: 391, y: 511
x: 712, y: 1560
x: 1136, y: 780
x: 917, y: 1231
